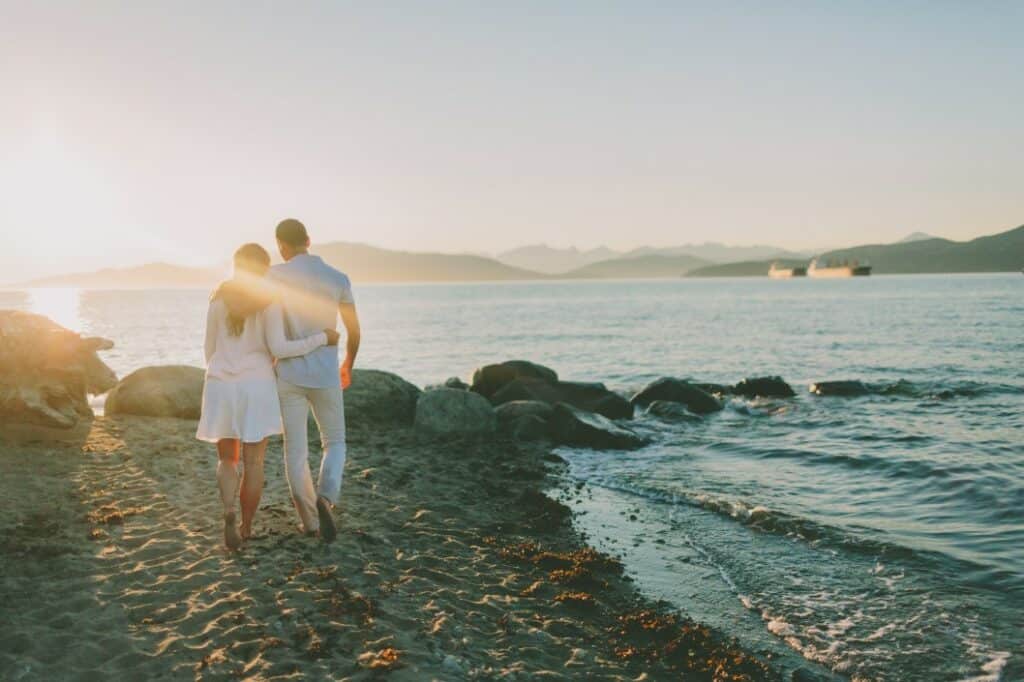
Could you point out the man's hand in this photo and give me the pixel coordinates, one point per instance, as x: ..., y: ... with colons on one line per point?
x: 351, y: 321
x: 332, y: 336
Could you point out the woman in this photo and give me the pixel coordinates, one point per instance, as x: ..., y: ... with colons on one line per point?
x: 244, y: 333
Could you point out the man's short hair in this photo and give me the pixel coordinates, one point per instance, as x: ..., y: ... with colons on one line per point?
x: 292, y: 232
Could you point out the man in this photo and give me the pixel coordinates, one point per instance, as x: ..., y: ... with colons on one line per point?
x: 313, y: 295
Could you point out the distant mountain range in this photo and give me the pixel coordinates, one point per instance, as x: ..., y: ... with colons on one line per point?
x: 748, y: 268
x: 551, y: 261
x: 1002, y: 252
x: 651, y: 266
x: 149, y: 276
x: 918, y: 253
x: 554, y: 261
x: 369, y: 264
x: 916, y: 237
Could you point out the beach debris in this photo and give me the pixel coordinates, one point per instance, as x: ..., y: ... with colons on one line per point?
x: 387, y: 658
x: 47, y: 372
x: 684, y: 646
x: 677, y: 391
x: 575, y: 598
x: 572, y: 426
x: 159, y: 391
x: 451, y: 412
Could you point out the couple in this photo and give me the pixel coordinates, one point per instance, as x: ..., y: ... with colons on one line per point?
x: 271, y: 354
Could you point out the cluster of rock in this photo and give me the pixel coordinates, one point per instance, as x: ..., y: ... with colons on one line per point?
x: 47, y: 372
x: 530, y: 402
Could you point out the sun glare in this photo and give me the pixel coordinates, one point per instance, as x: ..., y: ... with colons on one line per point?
x: 60, y: 305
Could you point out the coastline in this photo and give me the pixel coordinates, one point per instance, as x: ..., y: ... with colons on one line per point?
x: 451, y: 564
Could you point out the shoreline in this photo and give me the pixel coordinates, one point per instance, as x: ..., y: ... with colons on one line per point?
x: 451, y: 563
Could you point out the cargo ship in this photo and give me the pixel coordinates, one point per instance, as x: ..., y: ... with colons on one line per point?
x: 777, y: 271
x: 834, y: 268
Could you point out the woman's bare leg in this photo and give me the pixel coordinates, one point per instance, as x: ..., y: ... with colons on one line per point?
x: 228, y: 483
x: 252, y: 483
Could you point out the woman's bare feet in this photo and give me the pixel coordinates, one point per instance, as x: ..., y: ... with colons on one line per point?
x: 231, y: 536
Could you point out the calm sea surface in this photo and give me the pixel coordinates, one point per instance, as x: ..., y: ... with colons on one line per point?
x: 882, y: 537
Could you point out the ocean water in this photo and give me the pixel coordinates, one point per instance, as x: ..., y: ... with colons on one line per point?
x: 879, y: 537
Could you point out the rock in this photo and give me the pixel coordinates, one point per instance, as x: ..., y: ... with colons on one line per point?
x: 490, y: 379
x: 530, y: 428
x: 764, y: 387
x: 842, y: 389
x: 452, y: 412
x: 455, y: 382
x: 379, y: 397
x: 572, y: 426
x: 516, y: 409
x: 595, y: 397
x: 715, y: 389
x: 527, y: 389
x: 48, y: 371
x: 453, y: 666
x: 525, y: 420
x: 162, y: 391
x: 677, y: 391
x: 670, y: 411
x: 590, y: 397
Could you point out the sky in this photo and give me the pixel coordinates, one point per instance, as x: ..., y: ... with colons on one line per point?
x: 143, y: 131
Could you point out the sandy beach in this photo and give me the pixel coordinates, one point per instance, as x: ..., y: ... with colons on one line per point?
x: 450, y: 564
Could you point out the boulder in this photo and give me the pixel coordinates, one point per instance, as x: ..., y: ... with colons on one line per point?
x: 715, y: 389
x: 591, y: 397
x: 524, y: 419
x: 162, y: 391
x: 453, y: 412
x: 455, y: 382
x: 670, y: 411
x: 841, y: 389
x: 490, y: 379
x: 572, y: 426
x: 378, y: 397
x: 517, y: 409
x: 529, y: 428
x: 764, y: 387
x: 527, y: 389
x: 48, y: 371
x: 677, y: 391
x: 595, y: 397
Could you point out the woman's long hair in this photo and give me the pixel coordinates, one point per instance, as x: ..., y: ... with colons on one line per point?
x: 247, y: 293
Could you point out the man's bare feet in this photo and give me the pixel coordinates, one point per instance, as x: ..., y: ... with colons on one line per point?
x: 245, y: 530
x: 328, y: 531
x: 231, y: 537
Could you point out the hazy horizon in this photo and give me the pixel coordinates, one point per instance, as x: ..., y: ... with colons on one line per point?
x: 172, y: 134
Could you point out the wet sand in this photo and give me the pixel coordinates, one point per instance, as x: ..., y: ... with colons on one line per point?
x: 450, y: 564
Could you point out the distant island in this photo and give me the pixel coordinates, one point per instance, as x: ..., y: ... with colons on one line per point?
x: 918, y: 253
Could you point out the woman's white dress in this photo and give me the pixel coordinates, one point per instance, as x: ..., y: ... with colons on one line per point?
x: 240, y: 393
